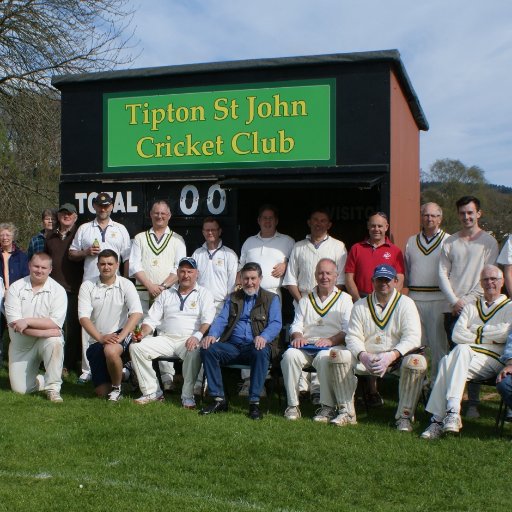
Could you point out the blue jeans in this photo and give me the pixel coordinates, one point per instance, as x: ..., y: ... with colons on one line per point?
x: 505, y: 390
x: 222, y: 353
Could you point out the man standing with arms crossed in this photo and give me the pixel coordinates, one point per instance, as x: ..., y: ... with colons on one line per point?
x: 90, y: 239
x: 463, y: 256
x: 422, y: 254
x: 154, y: 259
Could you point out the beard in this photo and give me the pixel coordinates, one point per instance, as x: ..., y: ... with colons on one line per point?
x: 251, y: 292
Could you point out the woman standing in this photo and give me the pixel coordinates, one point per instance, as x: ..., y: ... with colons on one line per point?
x: 13, y: 265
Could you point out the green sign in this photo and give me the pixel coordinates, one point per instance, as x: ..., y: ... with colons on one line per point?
x: 288, y: 124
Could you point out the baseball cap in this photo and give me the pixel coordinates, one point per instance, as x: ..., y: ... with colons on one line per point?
x: 188, y: 261
x: 103, y: 199
x: 68, y: 207
x: 386, y: 271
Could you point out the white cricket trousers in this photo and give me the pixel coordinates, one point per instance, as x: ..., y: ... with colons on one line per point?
x: 460, y: 365
x: 26, y: 354
x: 165, y: 345
x: 294, y: 360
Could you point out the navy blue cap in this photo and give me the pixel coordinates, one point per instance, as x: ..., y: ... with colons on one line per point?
x: 189, y: 261
x: 386, y: 271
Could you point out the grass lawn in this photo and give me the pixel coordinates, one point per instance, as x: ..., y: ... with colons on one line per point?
x: 88, y: 455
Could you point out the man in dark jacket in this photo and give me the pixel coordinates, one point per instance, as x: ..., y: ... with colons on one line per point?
x: 247, y: 326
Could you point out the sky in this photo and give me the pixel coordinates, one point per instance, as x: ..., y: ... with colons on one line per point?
x: 458, y: 56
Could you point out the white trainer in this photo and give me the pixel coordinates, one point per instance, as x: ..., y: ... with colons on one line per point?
x: 324, y: 414
x: 39, y: 382
x: 151, y: 397
x: 452, y: 422
x: 168, y: 385
x: 404, y: 424
x: 433, y: 431
x: 343, y: 419
x: 115, y: 395
x: 292, y: 413
x: 54, y: 396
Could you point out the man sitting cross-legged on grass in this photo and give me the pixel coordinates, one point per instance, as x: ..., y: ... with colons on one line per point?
x: 246, y: 327
x: 109, y: 309
x: 480, y: 334
x: 321, y: 322
x: 384, y: 327
x: 182, y: 314
x: 35, y: 308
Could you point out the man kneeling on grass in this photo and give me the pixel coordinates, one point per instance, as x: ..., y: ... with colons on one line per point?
x: 35, y: 308
x: 480, y: 334
x: 109, y: 309
x: 383, y: 332
x: 321, y: 322
x: 246, y: 327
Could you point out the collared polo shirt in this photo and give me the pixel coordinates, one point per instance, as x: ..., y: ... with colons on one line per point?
x: 114, y: 237
x: 217, y: 269
x: 364, y: 257
x: 181, y: 315
x: 108, y: 306
x: 49, y: 302
x: 267, y: 252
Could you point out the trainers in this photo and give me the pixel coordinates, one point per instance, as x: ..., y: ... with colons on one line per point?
x: 115, y: 395
x: 39, y: 382
x: 325, y: 414
x: 374, y: 400
x: 244, y: 390
x: 433, y: 431
x: 84, y: 378
x: 452, y: 422
x: 292, y: 413
x: 343, y: 419
x: 54, y: 396
x: 472, y: 413
x: 152, y: 397
x: 168, y: 386
x: 315, y: 398
x: 404, y: 425
x: 188, y: 403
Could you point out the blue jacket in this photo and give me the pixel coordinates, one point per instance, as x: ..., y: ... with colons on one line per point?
x: 18, y: 265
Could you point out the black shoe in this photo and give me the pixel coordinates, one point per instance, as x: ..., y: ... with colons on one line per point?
x: 217, y: 406
x: 254, y: 412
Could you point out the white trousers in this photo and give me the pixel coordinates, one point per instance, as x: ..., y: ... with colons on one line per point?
x: 294, y: 360
x: 411, y: 374
x: 26, y: 354
x: 433, y: 334
x: 461, y: 364
x: 166, y: 345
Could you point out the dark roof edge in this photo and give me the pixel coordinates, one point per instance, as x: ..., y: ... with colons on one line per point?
x: 379, y: 55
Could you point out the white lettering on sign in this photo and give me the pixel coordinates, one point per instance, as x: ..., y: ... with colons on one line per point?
x: 121, y: 204
x: 185, y: 191
x: 212, y: 192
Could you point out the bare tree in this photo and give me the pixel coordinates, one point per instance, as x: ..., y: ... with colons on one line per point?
x: 40, y: 39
